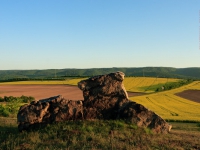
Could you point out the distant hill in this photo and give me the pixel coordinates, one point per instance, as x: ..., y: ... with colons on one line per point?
x: 167, y: 72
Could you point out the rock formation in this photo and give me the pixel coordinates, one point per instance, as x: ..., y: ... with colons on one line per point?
x: 104, y: 98
x: 53, y: 109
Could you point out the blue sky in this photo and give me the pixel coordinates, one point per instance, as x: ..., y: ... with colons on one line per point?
x: 49, y: 34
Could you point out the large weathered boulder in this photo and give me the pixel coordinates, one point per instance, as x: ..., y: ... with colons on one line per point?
x: 104, y: 98
x: 53, y: 109
x: 103, y: 95
x: 138, y: 114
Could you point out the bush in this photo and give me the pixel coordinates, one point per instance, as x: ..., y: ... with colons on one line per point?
x: 12, y: 104
x: 3, y: 111
x: 22, y: 99
x: 173, y: 85
x: 1, y: 99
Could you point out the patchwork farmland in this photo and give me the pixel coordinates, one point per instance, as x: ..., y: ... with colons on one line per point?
x: 173, y: 105
x: 167, y: 104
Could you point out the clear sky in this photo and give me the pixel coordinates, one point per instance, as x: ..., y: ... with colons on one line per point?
x: 56, y: 34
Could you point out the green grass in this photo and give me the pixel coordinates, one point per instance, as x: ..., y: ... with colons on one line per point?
x: 97, y: 134
x: 9, y: 106
x: 185, y: 126
x: 112, y: 134
x: 165, y: 86
x: 151, y: 88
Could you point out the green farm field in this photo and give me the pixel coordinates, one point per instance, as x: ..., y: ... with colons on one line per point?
x: 145, y: 84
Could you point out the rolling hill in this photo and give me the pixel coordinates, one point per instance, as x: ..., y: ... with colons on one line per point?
x: 163, y: 72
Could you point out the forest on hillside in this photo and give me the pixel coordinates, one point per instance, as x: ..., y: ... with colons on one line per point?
x: 162, y: 72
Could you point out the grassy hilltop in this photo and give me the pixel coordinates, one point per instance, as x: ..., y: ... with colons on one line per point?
x: 93, y: 135
x: 157, y: 94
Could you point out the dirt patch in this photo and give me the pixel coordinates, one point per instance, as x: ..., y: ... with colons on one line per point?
x: 45, y: 91
x: 131, y: 94
x: 193, y: 95
x: 42, y: 91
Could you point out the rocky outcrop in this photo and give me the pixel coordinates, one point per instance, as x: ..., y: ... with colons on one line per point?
x: 53, y: 109
x: 104, y: 98
x: 138, y: 114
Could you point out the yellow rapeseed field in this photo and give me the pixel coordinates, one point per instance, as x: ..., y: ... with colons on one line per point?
x: 68, y: 81
x: 74, y: 81
x: 172, y: 107
x: 134, y: 84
